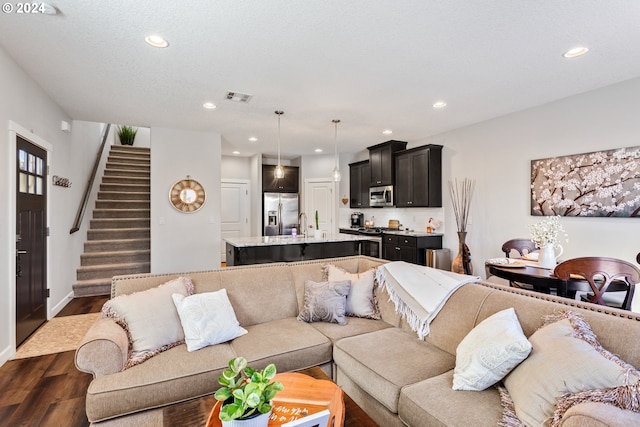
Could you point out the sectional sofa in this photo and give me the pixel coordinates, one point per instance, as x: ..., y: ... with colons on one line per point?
x: 397, y: 378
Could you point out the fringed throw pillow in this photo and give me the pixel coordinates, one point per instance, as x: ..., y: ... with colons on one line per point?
x: 567, y: 365
x: 150, y: 319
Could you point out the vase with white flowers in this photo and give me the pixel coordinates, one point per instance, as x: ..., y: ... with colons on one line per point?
x: 546, y: 235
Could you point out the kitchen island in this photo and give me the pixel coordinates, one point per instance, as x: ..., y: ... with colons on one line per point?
x: 265, y: 249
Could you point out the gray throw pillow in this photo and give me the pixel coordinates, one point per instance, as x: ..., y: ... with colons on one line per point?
x: 325, y: 302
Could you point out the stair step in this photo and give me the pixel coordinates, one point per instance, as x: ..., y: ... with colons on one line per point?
x: 126, y: 188
x: 127, y: 173
x: 133, y: 160
x: 124, y: 165
x: 126, y: 180
x: 114, y: 233
x: 110, y: 270
x: 123, y: 204
x: 92, y: 246
x: 115, y: 257
x: 89, y: 288
x: 130, y: 149
x: 119, y: 223
x: 114, y: 195
x: 121, y: 213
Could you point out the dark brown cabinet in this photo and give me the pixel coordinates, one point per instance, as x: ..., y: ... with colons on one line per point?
x: 288, y: 184
x: 359, y: 176
x: 411, y: 249
x: 419, y: 177
x: 381, y: 162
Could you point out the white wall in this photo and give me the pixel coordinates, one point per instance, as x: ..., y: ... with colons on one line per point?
x: 234, y: 167
x: 24, y: 103
x: 184, y: 242
x: 498, y: 154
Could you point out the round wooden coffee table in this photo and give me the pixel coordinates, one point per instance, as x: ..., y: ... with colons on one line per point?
x: 302, y: 395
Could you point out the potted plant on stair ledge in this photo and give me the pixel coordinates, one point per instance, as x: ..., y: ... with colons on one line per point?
x: 246, y: 394
x: 126, y: 134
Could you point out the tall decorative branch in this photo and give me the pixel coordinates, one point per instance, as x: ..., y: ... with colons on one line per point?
x: 461, y: 196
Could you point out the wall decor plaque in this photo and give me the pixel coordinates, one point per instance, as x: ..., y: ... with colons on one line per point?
x: 597, y: 184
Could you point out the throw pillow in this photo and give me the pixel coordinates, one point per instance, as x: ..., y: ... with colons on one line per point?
x: 207, y: 319
x: 490, y: 351
x: 150, y: 319
x: 325, y: 302
x: 361, y: 300
x: 566, y: 358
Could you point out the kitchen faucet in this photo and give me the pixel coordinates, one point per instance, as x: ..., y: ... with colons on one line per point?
x: 304, y: 229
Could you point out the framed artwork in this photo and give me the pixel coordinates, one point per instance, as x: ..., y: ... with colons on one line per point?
x: 597, y: 184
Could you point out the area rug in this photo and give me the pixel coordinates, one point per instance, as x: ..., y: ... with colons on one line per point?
x: 57, y: 335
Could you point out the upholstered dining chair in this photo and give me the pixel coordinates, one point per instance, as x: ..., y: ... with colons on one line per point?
x: 603, y: 275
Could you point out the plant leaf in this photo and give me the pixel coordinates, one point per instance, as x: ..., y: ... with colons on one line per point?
x: 222, y: 394
x: 270, y: 371
x: 230, y: 412
x: 252, y: 400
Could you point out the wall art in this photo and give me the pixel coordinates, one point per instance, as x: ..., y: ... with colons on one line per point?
x: 597, y: 184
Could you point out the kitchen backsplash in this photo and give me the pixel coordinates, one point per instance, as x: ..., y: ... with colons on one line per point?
x: 413, y: 218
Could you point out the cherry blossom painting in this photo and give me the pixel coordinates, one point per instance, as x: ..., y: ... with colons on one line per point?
x: 600, y: 184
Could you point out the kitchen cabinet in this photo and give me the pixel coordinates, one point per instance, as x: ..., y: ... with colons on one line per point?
x: 359, y: 177
x: 397, y: 247
x: 288, y: 184
x: 381, y: 162
x: 419, y: 177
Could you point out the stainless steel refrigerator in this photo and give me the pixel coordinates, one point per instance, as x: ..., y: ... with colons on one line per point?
x: 280, y: 213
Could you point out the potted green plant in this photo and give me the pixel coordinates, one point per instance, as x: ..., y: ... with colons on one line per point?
x: 246, y: 394
x: 126, y: 134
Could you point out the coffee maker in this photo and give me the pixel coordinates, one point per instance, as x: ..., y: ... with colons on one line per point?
x: 357, y: 220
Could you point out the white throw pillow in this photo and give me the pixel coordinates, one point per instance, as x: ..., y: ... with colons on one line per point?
x: 361, y: 301
x: 207, y: 319
x: 490, y: 351
x: 149, y: 318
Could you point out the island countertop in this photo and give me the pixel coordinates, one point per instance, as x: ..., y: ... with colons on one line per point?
x: 243, y: 242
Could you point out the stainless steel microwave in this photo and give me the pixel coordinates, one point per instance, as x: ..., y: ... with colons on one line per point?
x: 381, y: 196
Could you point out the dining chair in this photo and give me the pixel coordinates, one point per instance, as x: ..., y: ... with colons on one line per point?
x: 523, y: 247
x: 603, y: 275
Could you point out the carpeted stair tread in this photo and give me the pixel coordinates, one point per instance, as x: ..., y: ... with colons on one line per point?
x: 126, y: 173
x: 101, y: 223
x: 123, y: 204
x: 114, y: 233
x: 90, y: 288
x: 121, y: 213
x: 109, y: 270
x: 116, y: 245
x: 115, y: 257
x: 114, y: 195
x: 127, y: 188
x: 125, y: 180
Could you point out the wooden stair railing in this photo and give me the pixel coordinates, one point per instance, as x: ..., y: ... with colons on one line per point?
x: 92, y: 178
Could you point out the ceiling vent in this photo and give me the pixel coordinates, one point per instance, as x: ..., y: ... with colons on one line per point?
x: 239, y: 97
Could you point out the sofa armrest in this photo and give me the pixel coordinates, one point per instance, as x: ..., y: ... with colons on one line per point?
x: 103, y: 350
x: 595, y: 414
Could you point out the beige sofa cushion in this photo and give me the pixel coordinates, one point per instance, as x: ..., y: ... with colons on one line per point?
x: 355, y: 326
x: 366, y: 360
x: 288, y: 343
x: 433, y: 402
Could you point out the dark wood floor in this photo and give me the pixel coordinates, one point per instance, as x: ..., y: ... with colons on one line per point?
x: 47, y: 390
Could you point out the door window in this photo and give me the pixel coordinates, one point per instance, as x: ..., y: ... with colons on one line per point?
x: 31, y: 176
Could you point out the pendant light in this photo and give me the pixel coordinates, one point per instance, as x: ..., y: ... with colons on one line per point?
x: 279, y: 170
x: 336, y: 170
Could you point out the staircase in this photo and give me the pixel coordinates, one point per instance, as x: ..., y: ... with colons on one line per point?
x: 118, y: 239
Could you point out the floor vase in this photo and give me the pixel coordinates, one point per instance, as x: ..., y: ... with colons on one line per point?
x: 462, y: 262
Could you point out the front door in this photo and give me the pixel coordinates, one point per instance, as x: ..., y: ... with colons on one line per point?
x: 31, y: 220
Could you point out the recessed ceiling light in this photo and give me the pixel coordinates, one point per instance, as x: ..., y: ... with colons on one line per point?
x: 253, y: 139
x: 236, y: 152
x: 575, y: 52
x: 209, y: 105
x: 318, y: 150
x: 439, y: 104
x: 156, y: 41
x: 387, y: 132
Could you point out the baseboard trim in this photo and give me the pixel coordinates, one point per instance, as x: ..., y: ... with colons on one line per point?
x: 62, y: 304
x: 6, y: 355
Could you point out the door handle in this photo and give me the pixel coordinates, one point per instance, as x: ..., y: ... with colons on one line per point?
x: 20, y: 252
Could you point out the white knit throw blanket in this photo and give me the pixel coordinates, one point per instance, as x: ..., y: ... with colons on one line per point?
x: 419, y: 292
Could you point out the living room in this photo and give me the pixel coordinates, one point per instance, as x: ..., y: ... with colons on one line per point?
x: 496, y: 152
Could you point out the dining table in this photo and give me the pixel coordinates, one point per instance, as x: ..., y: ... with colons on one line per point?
x: 542, y: 279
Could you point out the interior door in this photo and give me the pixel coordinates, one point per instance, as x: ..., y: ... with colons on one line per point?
x: 234, y: 212
x: 31, y: 220
x: 319, y: 196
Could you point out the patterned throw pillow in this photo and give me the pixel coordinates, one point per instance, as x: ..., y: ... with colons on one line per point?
x: 361, y: 300
x: 207, y: 319
x: 150, y: 319
x: 325, y: 302
x: 566, y: 360
x: 490, y: 351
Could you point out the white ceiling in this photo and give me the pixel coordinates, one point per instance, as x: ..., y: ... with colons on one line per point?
x: 374, y: 64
